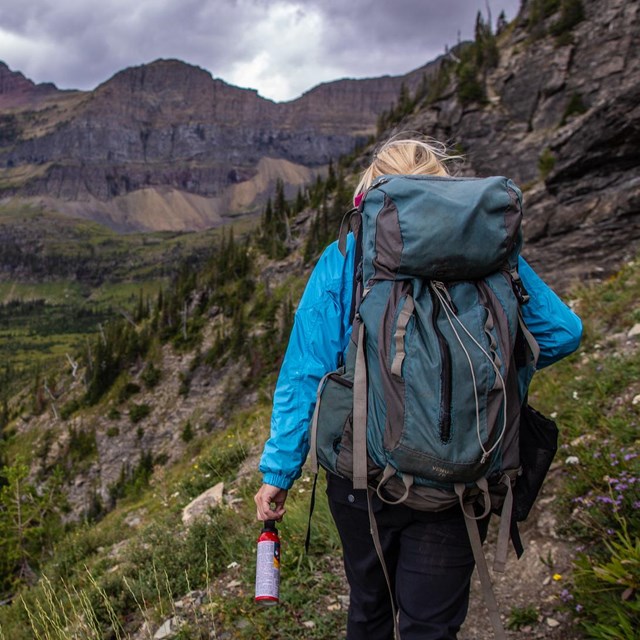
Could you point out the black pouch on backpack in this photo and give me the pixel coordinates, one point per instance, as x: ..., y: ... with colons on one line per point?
x: 538, y: 446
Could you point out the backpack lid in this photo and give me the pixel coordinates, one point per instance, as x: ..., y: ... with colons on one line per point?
x: 440, y: 228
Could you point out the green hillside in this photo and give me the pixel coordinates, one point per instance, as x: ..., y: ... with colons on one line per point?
x: 138, y: 370
x: 63, y: 277
x: 94, y: 582
x: 135, y: 562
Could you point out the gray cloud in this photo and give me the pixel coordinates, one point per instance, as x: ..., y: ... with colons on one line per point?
x: 280, y: 47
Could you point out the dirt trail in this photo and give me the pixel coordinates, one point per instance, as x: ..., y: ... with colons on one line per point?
x: 536, y: 580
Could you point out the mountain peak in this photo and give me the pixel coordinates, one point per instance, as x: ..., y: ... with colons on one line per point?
x: 163, y: 71
x: 17, y: 90
x: 170, y: 85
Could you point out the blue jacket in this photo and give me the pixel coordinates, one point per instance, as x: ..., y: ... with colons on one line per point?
x: 320, y: 337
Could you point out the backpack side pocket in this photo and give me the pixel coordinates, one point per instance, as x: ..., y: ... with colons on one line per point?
x: 538, y: 446
x: 333, y: 413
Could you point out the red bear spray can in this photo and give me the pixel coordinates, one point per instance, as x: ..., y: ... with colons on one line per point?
x: 268, y: 565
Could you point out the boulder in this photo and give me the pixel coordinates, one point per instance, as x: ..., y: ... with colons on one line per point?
x: 198, y: 507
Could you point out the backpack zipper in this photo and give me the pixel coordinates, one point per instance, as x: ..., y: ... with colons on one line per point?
x: 444, y: 419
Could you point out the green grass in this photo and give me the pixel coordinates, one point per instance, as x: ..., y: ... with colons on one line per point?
x: 60, y: 292
x: 521, y: 617
x: 163, y: 560
x: 591, y: 395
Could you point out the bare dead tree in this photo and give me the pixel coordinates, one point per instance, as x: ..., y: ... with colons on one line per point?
x: 53, y: 399
x: 127, y: 316
x: 74, y: 366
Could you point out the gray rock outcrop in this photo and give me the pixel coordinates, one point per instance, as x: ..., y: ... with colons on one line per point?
x: 562, y: 119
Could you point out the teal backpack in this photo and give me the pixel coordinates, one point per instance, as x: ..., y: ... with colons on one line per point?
x: 426, y: 410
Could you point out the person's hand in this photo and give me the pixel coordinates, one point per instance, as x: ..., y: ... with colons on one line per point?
x: 269, y: 495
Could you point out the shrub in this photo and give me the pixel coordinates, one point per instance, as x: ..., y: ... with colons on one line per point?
x: 138, y: 411
x: 521, y: 617
x: 69, y: 408
x: 151, y: 376
x: 574, y: 107
x: 470, y: 89
x: 132, y: 481
x: 600, y: 506
x: 187, y: 434
x: 546, y: 163
x: 221, y: 464
x: 539, y: 11
x: 571, y: 14
x: 128, y: 390
x: 82, y: 445
x: 185, y: 382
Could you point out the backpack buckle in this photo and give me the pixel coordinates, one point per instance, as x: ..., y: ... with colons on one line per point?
x: 518, y: 287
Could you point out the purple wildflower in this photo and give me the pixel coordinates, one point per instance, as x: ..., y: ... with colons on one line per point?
x: 565, y: 595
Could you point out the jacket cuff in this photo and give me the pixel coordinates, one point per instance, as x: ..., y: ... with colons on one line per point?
x: 277, y: 480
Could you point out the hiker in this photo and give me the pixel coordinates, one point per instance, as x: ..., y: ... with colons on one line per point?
x: 427, y: 554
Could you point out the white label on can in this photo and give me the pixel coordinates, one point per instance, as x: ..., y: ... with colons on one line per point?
x: 268, y: 570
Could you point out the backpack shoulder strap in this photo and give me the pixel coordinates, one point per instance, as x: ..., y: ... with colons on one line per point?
x: 523, y: 298
x: 352, y: 221
x: 345, y: 227
x: 356, y: 293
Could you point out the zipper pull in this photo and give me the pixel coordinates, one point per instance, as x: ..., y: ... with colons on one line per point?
x: 442, y: 288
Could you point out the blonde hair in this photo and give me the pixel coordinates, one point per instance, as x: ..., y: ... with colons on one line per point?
x: 408, y: 156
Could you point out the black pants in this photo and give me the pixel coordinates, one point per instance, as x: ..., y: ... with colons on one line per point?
x: 428, y: 558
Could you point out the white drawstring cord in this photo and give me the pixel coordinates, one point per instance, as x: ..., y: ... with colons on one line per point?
x: 437, y: 288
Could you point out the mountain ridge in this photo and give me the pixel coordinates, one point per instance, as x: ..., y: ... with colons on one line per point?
x: 171, y: 125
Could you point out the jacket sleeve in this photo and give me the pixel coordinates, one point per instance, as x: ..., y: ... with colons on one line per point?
x: 318, y: 338
x: 556, y: 328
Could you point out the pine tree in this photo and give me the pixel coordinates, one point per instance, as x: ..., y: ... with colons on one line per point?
x: 25, y: 517
x: 5, y: 381
x: 330, y: 182
x: 502, y: 23
x: 404, y: 100
x: 280, y: 206
x: 300, y: 202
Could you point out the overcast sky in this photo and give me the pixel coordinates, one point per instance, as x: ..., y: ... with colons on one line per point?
x: 279, y: 47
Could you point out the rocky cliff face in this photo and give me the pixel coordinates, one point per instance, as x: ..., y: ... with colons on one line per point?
x: 171, y: 128
x: 562, y: 118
